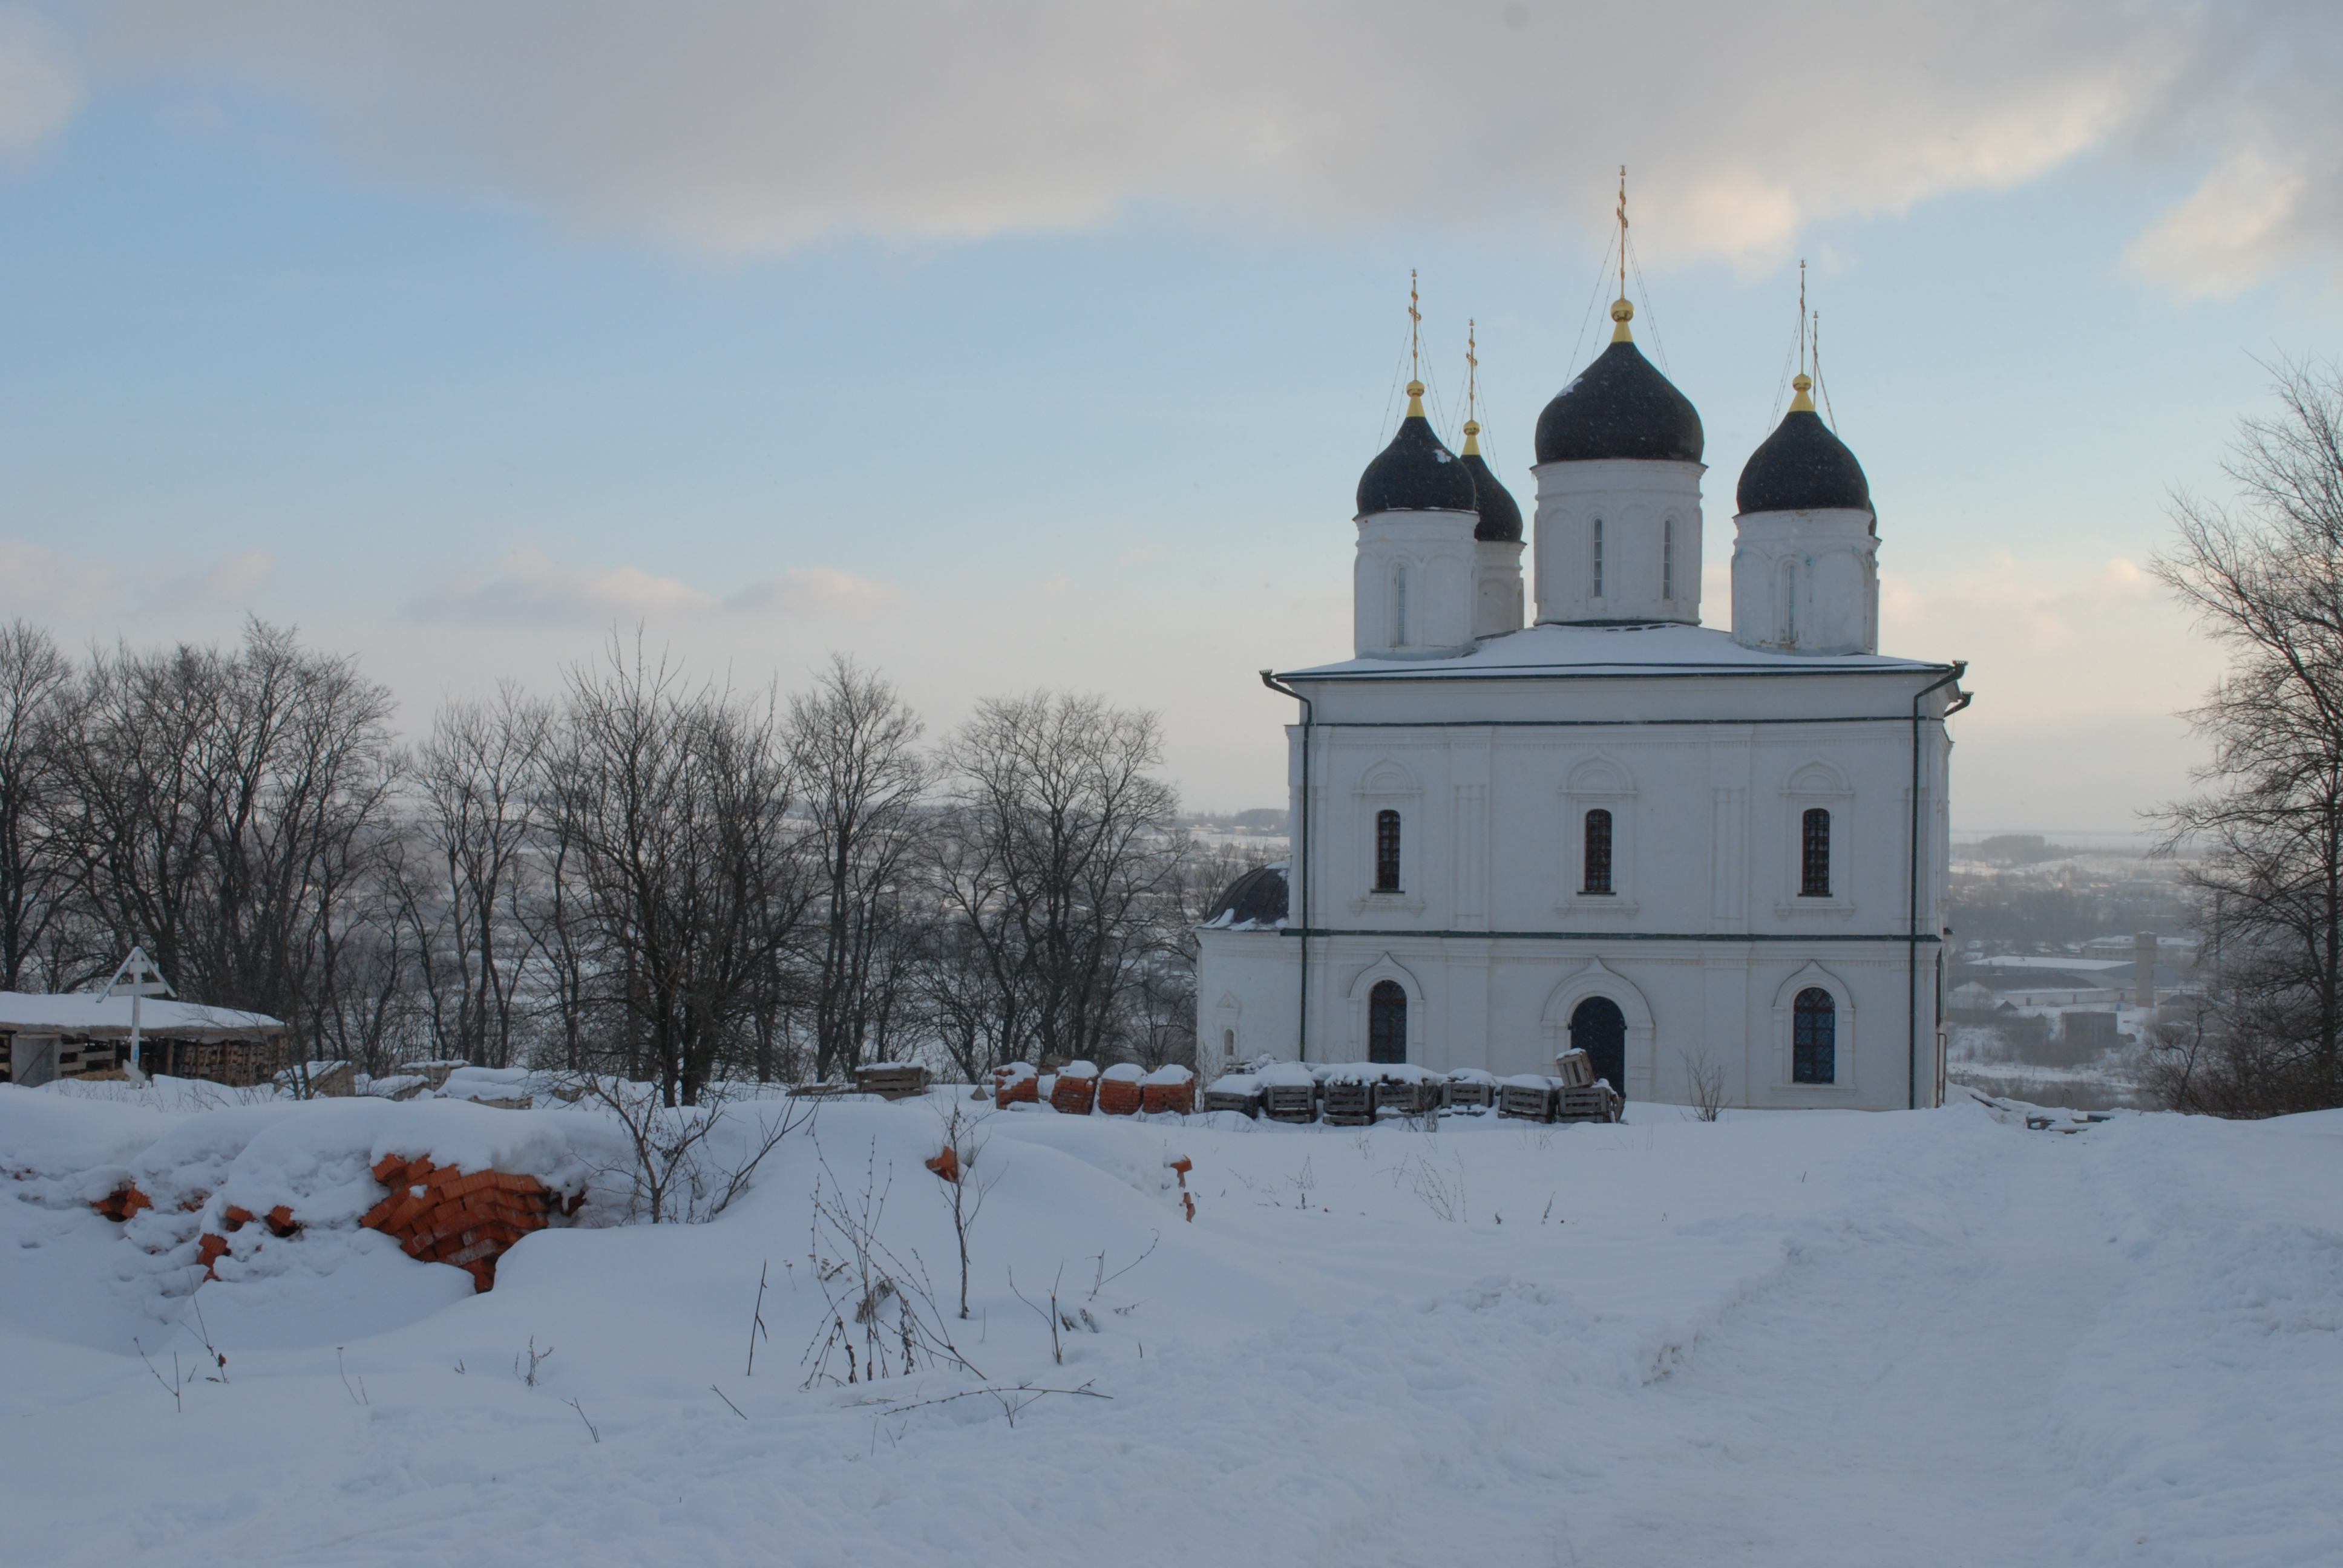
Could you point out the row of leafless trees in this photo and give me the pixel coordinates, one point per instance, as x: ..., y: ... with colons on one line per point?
x: 643, y: 873
x: 2265, y: 577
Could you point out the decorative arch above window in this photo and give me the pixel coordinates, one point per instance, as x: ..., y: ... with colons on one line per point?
x: 1815, y: 1031
x: 1598, y: 840
x: 1815, y: 849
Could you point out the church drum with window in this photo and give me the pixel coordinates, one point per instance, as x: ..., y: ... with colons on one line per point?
x: 1671, y: 845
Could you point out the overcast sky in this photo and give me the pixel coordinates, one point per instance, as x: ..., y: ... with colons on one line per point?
x: 1041, y: 344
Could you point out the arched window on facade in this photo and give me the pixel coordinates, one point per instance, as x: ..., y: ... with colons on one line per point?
x: 1386, y: 851
x: 1598, y: 851
x: 1598, y: 559
x: 1814, y: 855
x: 1813, y: 1038
x: 1387, y: 1022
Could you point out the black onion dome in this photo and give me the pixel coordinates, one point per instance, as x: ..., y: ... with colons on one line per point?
x: 1414, y: 474
x: 1501, y: 516
x: 1257, y: 898
x: 1803, y: 468
x: 1619, y: 406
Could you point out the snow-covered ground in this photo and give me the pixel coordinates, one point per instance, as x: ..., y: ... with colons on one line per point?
x: 1798, y: 1339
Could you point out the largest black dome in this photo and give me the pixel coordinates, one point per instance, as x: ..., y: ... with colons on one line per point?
x: 1414, y: 474
x: 1803, y: 468
x: 1619, y: 406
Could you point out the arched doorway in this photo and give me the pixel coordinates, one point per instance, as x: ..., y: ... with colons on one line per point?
x: 1599, y: 1028
x: 1387, y: 1022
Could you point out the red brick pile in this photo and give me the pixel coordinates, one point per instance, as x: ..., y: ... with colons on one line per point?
x: 1072, y: 1095
x: 442, y: 1216
x: 1160, y: 1097
x: 122, y: 1202
x: 1119, y: 1097
x: 1015, y: 1082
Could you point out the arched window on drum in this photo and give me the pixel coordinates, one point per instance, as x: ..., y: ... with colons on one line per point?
x: 1813, y: 1038
x: 1387, y: 852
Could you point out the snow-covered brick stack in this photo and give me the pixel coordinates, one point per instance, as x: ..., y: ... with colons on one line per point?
x: 1172, y: 1088
x: 1016, y: 1081
x: 1076, y: 1087
x: 441, y: 1215
x: 1119, y: 1091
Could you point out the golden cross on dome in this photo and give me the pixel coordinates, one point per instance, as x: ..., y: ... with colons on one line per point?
x: 1472, y: 390
x: 1414, y: 351
x: 1620, y: 311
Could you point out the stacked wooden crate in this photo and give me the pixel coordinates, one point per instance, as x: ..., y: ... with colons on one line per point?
x: 891, y: 1079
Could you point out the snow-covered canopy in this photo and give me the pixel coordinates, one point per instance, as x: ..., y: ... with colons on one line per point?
x: 85, y: 1015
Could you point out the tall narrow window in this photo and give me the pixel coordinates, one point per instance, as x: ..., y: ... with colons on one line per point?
x: 1387, y: 1022
x: 1814, y: 855
x: 1813, y: 1038
x: 1386, y: 851
x: 1399, y: 609
x: 1598, y: 557
x: 1598, y: 851
x: 1668, y: 558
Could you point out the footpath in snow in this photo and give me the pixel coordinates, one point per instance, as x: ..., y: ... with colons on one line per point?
x: 1811, y: 1339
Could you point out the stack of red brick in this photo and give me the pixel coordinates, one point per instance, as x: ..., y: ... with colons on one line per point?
x: 123, y: 1203
x: 443, y: 1216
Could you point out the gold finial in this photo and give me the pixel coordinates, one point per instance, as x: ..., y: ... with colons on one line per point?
x: 1415, y: 399
x: 1801, y: 383
x: 1471, y: 439
x: 1621, y: 312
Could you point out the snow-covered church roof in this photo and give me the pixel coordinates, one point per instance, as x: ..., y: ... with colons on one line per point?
x: 1555, y: 650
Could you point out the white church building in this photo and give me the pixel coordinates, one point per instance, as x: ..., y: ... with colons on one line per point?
x: 1684, y: 849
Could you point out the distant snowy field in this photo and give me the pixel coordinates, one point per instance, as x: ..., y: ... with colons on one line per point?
x: 1797, y: 1339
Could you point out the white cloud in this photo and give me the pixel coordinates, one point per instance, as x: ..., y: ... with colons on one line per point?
x: 37, y: 580
x: 747, y: 126
x: 39, y: 89
x: 529, y: 587
x: 237, y: 576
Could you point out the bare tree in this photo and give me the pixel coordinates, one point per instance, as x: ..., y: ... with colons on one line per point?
x: 852, y: 747
x: 2265, y: 579
x: 39, y: 870
x: 676, y: 880
x: 1053, y: 855
x: 476, y: 779
x: 235, y: 804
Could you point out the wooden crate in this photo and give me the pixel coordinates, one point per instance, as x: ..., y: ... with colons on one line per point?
x: 1289, y: 1101
x: 1226, y: 1100
x: 893, y: 1082
x: 1575, y: 1069
x: 1591, y: 1102
x: 1351, y: 1104
x: 1423, y: 1098
x: 1461, y: 1095
x: 1526, y: 1101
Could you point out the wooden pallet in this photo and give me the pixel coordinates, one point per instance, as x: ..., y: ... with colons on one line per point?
x: 890, y: 1083
x: 1591, y: 1102
x: 1351, y: 1104
x: 1523, y: 1101
x: 1289, y: 1101
x: 1461, y: 1095
x: 1222, y: 1100
x: 1425, y: 1098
